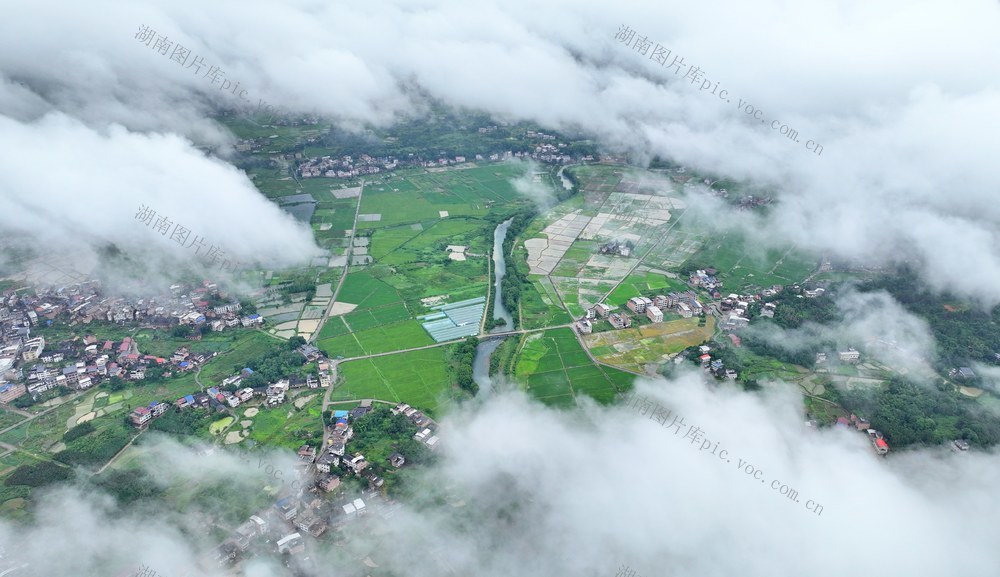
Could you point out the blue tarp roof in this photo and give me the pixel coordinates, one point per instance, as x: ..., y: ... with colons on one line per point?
x: 189, y: 398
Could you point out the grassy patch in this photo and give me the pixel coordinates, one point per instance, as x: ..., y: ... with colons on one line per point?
x: 419, y: 378
x: 555, y: 370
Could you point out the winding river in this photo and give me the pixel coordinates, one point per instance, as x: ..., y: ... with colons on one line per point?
x: 481, y: 364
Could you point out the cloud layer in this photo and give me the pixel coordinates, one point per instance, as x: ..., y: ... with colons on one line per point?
x: 537, y: 491
x: 906, y: 169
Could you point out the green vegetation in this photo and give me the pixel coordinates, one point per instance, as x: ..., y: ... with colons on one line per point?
x: 78, y: 431
x: 290, y: 427
x: 743, y: 265
x: 909, y: 414
x: 793, y: 310
x: 379, y: 434
x: 129, y: 486
x: 98, y: 448
x: 516, y: 275
x: 271, y: 366
x: 39, y: 474
x: 183, y: 422
x: 462, y: 358
x: 216, y: 427
x: 753, y: 342
x: 555, y: 369
x: 419, y: 378
x: 382, y: 339
x: 963, y: 332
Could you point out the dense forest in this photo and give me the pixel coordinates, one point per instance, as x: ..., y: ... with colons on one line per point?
x: 379, y: 434
x: 128, y: 486
x: 39, y: 474
x: 96, y: 448
x: 462, y: 358
x: 182, y: 421
x: 278, y: 363
x: 908, y: 414
x: 792, y: 310
x: 963, y: 331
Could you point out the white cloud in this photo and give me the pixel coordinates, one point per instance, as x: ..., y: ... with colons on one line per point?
x: 906, y: 169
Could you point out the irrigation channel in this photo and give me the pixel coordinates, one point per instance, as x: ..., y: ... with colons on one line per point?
x: 481, y: 364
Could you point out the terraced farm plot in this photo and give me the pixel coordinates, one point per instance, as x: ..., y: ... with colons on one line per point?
x: 424, y: 196
x: 741, y: 265
x: 365, y: 291
x: 633, y: 348
x: 643, y: 283
x: 385, y: 338
x: 371, y: 318
x: 428, y: 245
x: 9, y: 418
x: 540, y: 305
x: 334, y: 327
x: 418, y: 378
x: 555, y: 369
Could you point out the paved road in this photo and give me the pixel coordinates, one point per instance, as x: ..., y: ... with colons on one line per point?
x: 347, y: 267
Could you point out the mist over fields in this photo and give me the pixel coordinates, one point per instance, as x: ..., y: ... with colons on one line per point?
x: 903, y: 96
x: 581, y: 493
x: 906, y: 168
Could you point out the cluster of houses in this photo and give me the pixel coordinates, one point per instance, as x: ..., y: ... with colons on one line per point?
x: 851, y: 355
x: 714, y: 366
x: 80, y: 364
x: 616, y: 248
x: 141, y: 416
x: 340, y: 433
x: 542, y: 149
x: 30, y: 365
x: 878, y: 442
x: 348, y: 167
x: 705, y: 279
x: 426, y: 426
x: 734, y: 309
x: 304, y: 512
x: 685, y: 304
x: 228, y: 393
x: 345, y: 166
x: 83, y: 303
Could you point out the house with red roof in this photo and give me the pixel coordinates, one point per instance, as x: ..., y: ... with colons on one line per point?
x: 140, y: 416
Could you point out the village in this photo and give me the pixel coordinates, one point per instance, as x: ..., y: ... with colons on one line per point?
x: 31, y: 366
x: 735, y: 312
x: 316, y: 506
x: 348, y: 167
